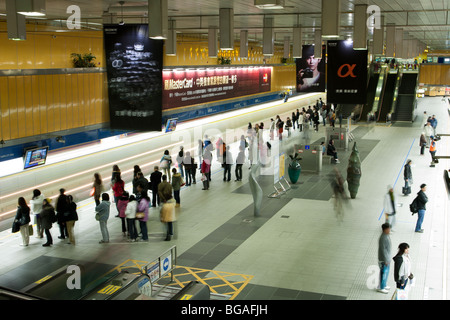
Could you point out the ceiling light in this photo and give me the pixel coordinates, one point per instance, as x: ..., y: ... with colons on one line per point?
x: 31, y: 8
x: 269, y: 4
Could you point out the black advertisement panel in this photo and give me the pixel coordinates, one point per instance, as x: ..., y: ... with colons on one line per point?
x: 134, y: 68
x: 310, y: 71
x: 346, y: 73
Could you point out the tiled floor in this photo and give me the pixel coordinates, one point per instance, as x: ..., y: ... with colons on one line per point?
x: 295, y: 249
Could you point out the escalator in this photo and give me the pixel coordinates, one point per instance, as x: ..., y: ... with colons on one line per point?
x: 387, y: 98
x: 371, y: 91
x: 406, y: 99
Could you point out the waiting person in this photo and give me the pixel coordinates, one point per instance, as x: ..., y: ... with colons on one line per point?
x: 407, y: 176
x: 180, y: 159
x: 384, y: 257
x: 422, y: 143
x: 206, y: 170
x: 272, y: 129
x: 142, y: 186
x: 62, y: 207
x: 48, y: 216
x: 207, y: 157
x: 433, y: 123
x: 422, y: 200
x: 118, y: 189
x: 155, y: 180
x: 390, y: 207
x: 200, y: 150
x: 300, y: 121
x: 164, y: 189
x: 324, y: 149
x: 288, y: 126
x: 71, y: 218
x: 433, y: 150
x: 97, y: 188
x: 167, y: 216
x: 294, y: 120
x: 122, y: 206
x: 402, y: 267
x: 428, y: 133
x: 165, y: 163
x: 23, y: 218
x: 130, y: 214
x: 316, y: 121
x: 115, y: 174
x: 280, y: 125
x: 143, y: 207
x: 324, y: 116
x: 240, y: 160
x: 190, y: 167
x: 227, y: 163
x: 36, y: 208
x: 331, y: 150
x: 135, y: 180
x: 176, y: 186
x: 103, y: 215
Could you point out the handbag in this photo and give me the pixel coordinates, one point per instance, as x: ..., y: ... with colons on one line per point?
x: 140, y: 215
x: 30, y: 229
x: 97, y: 216
x: 15, y: 227
x: 182, y: 183
x: 92, y: 192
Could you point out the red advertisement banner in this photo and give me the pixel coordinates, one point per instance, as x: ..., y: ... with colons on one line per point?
x: 183, y: 87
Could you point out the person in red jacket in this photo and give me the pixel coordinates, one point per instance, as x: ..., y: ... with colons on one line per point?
x: 118, y: 189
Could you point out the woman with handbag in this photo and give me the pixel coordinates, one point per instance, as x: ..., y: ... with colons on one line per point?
x: 23, y: 217
x: 402, y: 272
x: 142, y: 216
x: 97, y: 188
x: 167, y: 216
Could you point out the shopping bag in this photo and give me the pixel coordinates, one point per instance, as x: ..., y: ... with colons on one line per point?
x: 400, y: 294
x: 30, y: 229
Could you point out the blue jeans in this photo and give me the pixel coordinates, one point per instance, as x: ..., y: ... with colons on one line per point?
x: 176, y: 195
x: 104, y: 230
x: 421, y: 215
x: 143, y: 226
x: 132, y: 228
x: 384, y: 272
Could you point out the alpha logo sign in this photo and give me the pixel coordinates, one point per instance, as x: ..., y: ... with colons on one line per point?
x: 349, y: 68
x: 347, y: 73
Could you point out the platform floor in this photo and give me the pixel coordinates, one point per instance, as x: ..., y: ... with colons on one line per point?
x: 296, y: 249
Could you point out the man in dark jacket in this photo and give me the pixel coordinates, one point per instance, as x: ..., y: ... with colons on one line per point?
x: 155, y: 180
x: 422, y: 199
x: 62, y: 206
x: 407, y: 176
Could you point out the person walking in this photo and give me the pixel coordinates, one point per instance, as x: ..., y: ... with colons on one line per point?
x: 155, y: 180
x: 402, y: 271
x: 97, y: 188
x: 130, y: 214
x: 176, y: 186
x: 422, y: 143
x: 390, y: 206
x: 62, y: 206
x: 122, y: 206
x: 384, y: 257
x: 71, y: 218
x: 103, y: 215
x: 164, y: 189
x: 240, y: 160
x: 165, y: 163
x: 288, y: 126
x: 272, y: 128
x: 23, y: 218
x: 48, y: 216
x: 180, y: 159
x: 167, y: 216
x: 143, y: 206
x: 422, y: 200
x: 407, y: 176
x: 433, y: 150
x: 36, y: 207
x: 433, y: 123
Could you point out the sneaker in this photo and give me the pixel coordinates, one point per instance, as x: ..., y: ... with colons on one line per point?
x: 420, y: 231
x: 101, y: 241
x: 46, y: 244
x: 383, y: 290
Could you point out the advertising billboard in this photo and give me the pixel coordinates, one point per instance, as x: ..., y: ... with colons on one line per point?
x: 310, y: 71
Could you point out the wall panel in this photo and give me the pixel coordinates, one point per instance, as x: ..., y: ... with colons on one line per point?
x: 21, y: 115
x: 12, y: 104
x: 6, y: 132
x: 28, y: 100
x: 56, y: 102
x: 36, y: 105
x: 63, y: 101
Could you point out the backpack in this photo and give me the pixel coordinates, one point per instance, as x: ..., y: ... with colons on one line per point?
x: 413, y: 206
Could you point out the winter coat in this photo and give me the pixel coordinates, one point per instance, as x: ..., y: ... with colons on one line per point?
x: 167, y: 212
x: 143, y: 207
x: 155, y: 180
x: 389, y: 207
x: 118, y: 188
x: 23, y: 215
x: 103, y: 210
x: 47, y: 215
x: 36, y: 204
x: 62, y: 206
x: 164, y: 191
x: 422, y: 199
x: 72, y: 216
x: 165, y: 162
x: 122, y: 206
x: 131, y: 209
x: 402, y: 268
x: 407, y: 173
x: 176, y: 181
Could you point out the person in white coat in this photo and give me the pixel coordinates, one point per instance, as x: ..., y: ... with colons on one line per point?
x: 130, y: 214
x: 390, y: 206
x: 36, y: 207
x: 428, y: 133
x: 402, y: 271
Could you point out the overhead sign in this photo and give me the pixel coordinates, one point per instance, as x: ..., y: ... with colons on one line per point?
x: 134, y: 70
x: 346, y: 73
x: 183, y: 87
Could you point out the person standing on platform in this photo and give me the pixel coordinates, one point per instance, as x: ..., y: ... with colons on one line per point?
x: 61, y: 208
x: 280, y: 125
x: 206, y: 171
x: 384, y: 257
x: 102, y: 211
x: 164, y: 189
x: 167, y: 216
x: 97, y: 188
x: 402, y: 270
x: 118, y: 189
x: 143, y: 207
x: 422, y: 200
x: 115, y: 173
x: 422, y: 143
x: 390, y: 207
x: 180, y: 158
x: 300, y: 121
x: 189, y: 167
x: 272, y: 129
x: 288, y: 126
x: 23, y: 218
x: 227, y: 162
x: 165, y: 163
x: 433, y: 123
x: 48, y: 216
x: 316, y: 121
x: 71, y: 218
x: 433, y: 150
x: 142, y: 185
x: 122, y: 205
x: 407, y: 176
x: 176, y: 186
x: 130, y: 214
x: 200, y: 150
x: 240, y: 160
x: 155, y: 180
x: 428, y: 133
x: 36, y: 208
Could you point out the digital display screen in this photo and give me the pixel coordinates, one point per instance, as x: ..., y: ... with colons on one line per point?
x: 35, y: 157
x: 171, y: 125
